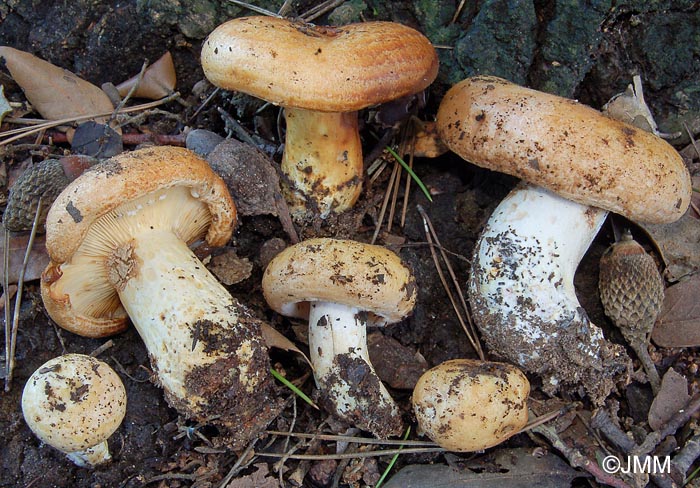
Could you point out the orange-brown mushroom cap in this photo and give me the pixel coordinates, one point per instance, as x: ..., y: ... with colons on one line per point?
x: 332, y: 69
x: 104, y: 188
x: 566, y: 147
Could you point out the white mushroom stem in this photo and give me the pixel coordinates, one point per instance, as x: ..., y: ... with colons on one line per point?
x: 92, y: 456
x: 182, y: 335
x: 522, y: 291
x: 322, y: 162
x: 343, y: 371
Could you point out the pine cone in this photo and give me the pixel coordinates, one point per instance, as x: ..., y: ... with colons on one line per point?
x: 631, y: 288
x: 43, y: 180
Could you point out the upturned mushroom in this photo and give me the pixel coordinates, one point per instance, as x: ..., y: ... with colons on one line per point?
x: 468, y: 405
x: 118, y: 240
x: 341, y: 287
x: 74, y: 403
x: 580, y: 165
x: 322, y: 76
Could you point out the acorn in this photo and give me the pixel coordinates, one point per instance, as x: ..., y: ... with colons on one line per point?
x: 43, y: 180
x: 632, y: 291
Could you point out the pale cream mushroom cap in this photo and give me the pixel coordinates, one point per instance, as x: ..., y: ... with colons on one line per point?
x: 567, y: 147
x: 74, y: 402
x: 368, y: 277
x: 469, y: 405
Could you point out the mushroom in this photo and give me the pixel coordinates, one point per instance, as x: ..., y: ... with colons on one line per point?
x: 341, y: 287
x: 118, y: 241
x: 74, y: 403
x: 322, y: 76
x: 469, y: 405
x: 580, y: 165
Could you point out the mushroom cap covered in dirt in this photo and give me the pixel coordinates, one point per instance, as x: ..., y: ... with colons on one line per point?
x: 74, y: 403
x: 567, y: 147
x: 469, y: 405
x: 332, y: 69
x: 369, y: 277
x: 176, y: 174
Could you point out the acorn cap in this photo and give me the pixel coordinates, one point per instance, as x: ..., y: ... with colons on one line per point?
x: 74, y: 402
x: 171, y: 173
x: 331, y: 69
x: 566, y: 147
x: 346, y: 272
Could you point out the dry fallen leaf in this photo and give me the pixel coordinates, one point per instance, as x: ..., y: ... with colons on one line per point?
x: 260, y: 478
x: 38, y: 258
x: 229, y: 268
x: 158, y: 80
x: 275, y: 339
x: 54, y: 92
x: 678, y: 324
x: 672, y: 397
x: 679, y: 245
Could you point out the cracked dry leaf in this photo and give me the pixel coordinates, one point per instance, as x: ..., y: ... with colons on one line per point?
x: 274, y: 338
x: 54, y: 92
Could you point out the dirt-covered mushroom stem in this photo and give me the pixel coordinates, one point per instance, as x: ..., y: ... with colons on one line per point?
x: 118, y: 239
x: 522, y: 281
x: 322, y: 76
x: 341, y: 287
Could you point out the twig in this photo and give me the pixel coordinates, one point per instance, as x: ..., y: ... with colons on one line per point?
x: 676, y: 422
x: 255, y: 8
x: 239, y: 465
x: 9, y: 371
x: 359, y: 440
x: 6, y: 294
x: 24, y: 131
x: 458, y: 12
x: 320, y: 9
x: 385, y: 203
x: 578, y: 460
x: 470, y: 331
x: 351, y: 455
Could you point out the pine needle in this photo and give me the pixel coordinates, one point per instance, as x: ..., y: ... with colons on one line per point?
x: 294, y: 389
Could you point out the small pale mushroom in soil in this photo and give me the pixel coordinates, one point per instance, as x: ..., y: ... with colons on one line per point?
x: 580, y: 165
x: 469, y: 405
x: 118, y: 238
x: 322, y: 76
x: 341, y: 287
x: 74, y: 403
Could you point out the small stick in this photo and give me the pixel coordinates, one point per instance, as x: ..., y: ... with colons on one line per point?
x: 6, y: 294
x: 385, y: 203
x: 18, y: 299
x: 359, y: 440
x: 431, y: 236
x: 352, y: 455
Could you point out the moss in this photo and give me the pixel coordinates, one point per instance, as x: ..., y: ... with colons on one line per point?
x: 571, y: 37
x: 500, y: 41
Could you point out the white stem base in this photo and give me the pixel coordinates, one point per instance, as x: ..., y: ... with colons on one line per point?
x: 343, y: 371
x: 92, y: 456
x: 523, y: 297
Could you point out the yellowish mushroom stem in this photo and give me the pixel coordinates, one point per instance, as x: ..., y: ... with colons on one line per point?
x: 322, y: 162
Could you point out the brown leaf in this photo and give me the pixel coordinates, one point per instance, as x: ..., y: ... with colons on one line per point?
x: 273, y: 338
x: 258, y: 479
x: 38, y: 258
x: 678, y: 324
x: 679, y: 245
x: 672, y: 397
x: 54, y: 92
x: 158, y: 80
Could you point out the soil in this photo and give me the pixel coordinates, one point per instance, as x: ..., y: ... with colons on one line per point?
x: 156, y: 447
